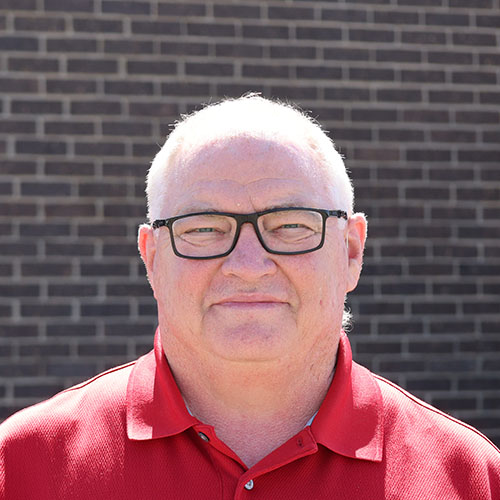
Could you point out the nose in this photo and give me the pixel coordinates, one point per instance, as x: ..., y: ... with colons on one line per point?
x: 248, y: 260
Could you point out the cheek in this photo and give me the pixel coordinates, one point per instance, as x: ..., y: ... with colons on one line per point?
x: 323, y: 279
x: 182, y: 284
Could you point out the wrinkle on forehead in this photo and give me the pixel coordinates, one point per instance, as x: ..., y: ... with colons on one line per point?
x: 240, y: 149
x: 257, y: 195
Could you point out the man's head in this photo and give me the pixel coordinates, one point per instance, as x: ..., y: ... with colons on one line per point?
x: 244, y: 156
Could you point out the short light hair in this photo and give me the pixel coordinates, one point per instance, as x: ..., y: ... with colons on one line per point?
x: 250, y: 116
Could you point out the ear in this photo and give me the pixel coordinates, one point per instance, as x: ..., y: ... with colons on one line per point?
x: 356, y: 237
x: 147, y: 248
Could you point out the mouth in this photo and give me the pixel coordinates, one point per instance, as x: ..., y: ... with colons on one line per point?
x: 251, y: 302
x: 250, y: 305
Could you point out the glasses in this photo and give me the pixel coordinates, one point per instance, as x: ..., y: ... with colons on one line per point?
x: 282, y: 231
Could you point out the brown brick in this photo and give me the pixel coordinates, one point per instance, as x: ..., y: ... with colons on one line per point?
x: 18, y: 85
x: 318, y: 33
x: 108, y: 107
x: 71, y: 45
x: 488, y: 21
x: 432, y: 76
x: 252, y: 51
x: 398, y: 55
x: 426, y: 115
x: 371, y: 74
x: 45, y: 189
x: 69, y: 249
x: 181, y: 9
x: 161, y: 109
x: 209, y: 69
x: 401, y: 135
x: 70, y: 210
x: 344, y: 15
x: 76, y: 329
x: 287, y: 12
x: 431, y: 155
x: 41, y: 147
x: 237, y: 11
x: 346, y: 54
x: 399, y: 95
x: 128, y: 46
x: 128, y: 87
x: 14, y: 126
x: 446, y: 19
x: 451, y: 96
x: 474, y: 77
x: 99, y: 189
x: 298, y: 93
x: 46, y: 269
x: 36, y: 107
x: 369, y: 35
x: 423, y: 37
x: 39, y: 24
x: 184, y: 48
x: 319, y: 72
x: 156, y: 28
x: 151, y: 67
x: 69, y: 128
x: 93, y: 25
x: 474, y: 39
x: 101, y: 230
x: 70, y: 86
x: 450, y: 57
x: 185, y: 89
x: 97, y: 269
x: 18, y: 209
x: 92, y: 66
x: 126, y: 129
x: 125, y: 211
x: 265, y: 71
x: 126, y: 7
x: 374, y: 115
x: 79, y: 168
x: 19, y: 4
x: 69, y: 5
x: 121, y: 169
x: 18, y: 43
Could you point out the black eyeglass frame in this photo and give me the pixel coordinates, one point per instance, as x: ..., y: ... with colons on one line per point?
x: 252, y: 219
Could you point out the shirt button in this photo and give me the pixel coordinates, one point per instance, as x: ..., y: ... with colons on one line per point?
x: 204, y: 436
x: 249, y: 485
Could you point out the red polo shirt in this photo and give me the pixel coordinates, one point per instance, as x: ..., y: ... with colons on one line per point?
x: 126, y: 434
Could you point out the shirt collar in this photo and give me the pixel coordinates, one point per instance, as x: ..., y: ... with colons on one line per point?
x: 155, y: 407
x: 349, y: 421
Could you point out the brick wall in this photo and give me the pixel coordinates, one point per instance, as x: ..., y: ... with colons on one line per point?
x: 408, y: 89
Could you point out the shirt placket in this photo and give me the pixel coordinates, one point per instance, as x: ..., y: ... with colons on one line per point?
x: 248, y: 484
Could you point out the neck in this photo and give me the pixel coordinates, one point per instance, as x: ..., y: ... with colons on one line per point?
x: 268, y: 402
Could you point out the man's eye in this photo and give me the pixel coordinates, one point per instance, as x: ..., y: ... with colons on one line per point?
x: 203, y: 230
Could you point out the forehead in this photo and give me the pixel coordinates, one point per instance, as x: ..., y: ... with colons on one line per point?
x: 246, y: 174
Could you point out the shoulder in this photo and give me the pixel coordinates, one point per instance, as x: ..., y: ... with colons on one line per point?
x: 84, y: 405
x: 410, y: 421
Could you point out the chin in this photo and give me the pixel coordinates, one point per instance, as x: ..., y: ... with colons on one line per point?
x: 249, y: 342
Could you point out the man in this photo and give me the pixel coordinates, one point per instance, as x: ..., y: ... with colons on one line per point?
x: 250, y: 391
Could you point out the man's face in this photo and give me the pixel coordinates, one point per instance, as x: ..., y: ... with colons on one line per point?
x: 251, y: 306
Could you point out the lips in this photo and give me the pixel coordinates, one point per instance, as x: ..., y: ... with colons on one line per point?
x: 251, y: 300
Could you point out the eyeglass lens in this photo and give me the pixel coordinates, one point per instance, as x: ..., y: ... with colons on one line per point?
x: 281, y: 231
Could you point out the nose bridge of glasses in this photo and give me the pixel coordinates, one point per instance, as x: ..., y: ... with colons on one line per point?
x: 243, y: 219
